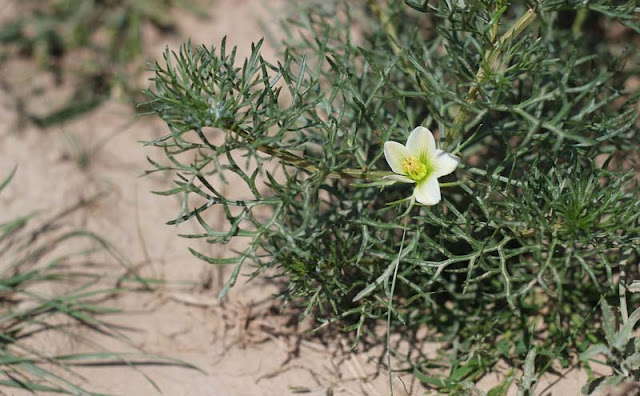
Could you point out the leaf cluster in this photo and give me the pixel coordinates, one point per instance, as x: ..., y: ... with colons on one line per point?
x: 621, y: 351
x: 517, y: 254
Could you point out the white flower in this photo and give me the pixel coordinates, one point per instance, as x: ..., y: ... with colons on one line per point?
x: 421, y: 163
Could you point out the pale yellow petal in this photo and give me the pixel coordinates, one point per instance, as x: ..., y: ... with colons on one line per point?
x: 421, y: 144
x: 443, y: 163
x: 427, y: 192
x: 395, y: 154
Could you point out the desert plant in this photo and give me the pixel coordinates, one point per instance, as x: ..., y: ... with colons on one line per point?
x: 532, y: 224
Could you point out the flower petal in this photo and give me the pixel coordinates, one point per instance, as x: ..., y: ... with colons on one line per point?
x: 395, y: 154
x: 421, y: 144
x: 398, y: 178
x: 444, y: 163
x: 427, y: 192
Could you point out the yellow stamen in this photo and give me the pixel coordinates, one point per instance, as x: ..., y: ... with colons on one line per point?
x: 414, y: 168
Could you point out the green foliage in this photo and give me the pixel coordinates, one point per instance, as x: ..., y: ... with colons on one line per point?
x: 511, y: 263
x: 31, y: 263
x: 622, y: 351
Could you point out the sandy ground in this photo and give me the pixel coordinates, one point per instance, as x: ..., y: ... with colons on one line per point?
x: 244, y: 345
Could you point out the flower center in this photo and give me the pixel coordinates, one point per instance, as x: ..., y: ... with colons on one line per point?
x: 415, y: 169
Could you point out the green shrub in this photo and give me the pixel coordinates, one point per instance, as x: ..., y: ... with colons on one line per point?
x: 532, y: 226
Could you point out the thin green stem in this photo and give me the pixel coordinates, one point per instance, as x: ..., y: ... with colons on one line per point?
x: 390, y: 306
x: 622, y: 291
x: 451, y: 184
x: 302, y: 163
x: 490, y: 57
x: 581, y: 17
